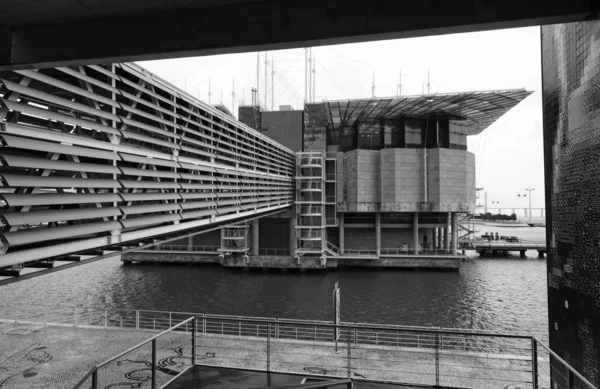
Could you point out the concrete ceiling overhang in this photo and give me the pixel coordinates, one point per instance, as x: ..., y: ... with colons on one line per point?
x: 479, y: 109
x: 44, y: 33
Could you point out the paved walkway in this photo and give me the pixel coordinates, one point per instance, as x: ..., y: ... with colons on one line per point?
x: 34, y: 356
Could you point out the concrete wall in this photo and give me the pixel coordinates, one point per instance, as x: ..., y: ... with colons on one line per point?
x: 402, y: 175
x: 570, y: 74
x: 450, y: 176
x: 360, y: 239
x: 274, y: 233
x: 284, y: 127
x: 393, y: 180
x: 362, y: 180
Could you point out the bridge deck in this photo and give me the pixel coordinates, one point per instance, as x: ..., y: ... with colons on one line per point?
x: 101, y: 155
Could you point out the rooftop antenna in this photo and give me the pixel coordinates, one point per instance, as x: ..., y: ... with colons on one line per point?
x: 266, y: 78
x: 209, y: 94
x: 400, y: 84
x: 428, y: 84
x: 305, y: 75
x: 422, y: 87
x: 314, y: 77
x: 373, y: 85
x: 272, y: 82
x: 233, y: 97
x: 257, y: 77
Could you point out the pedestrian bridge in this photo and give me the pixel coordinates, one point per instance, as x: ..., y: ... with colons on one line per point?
x: 105, y: 155
x: 494, y: 247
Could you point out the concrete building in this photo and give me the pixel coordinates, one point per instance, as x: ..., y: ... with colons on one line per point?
x: 381, y: 178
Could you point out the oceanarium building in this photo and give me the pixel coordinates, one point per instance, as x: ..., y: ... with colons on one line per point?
x: 383, y: 179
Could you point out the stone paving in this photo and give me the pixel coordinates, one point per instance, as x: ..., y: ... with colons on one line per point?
x: 34, y: 356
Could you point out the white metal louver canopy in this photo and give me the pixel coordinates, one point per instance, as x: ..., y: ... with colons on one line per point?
x: 479, y: 109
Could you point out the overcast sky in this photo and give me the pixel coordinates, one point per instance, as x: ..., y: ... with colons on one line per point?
x: 509, y: 153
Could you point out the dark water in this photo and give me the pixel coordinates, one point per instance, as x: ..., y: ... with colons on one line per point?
x: 507, y: 294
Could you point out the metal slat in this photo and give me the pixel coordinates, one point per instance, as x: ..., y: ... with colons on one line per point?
x: 29, y: 109
x: 149, y: 196
x: 20, y: 200
x: 55, y: 215
x: 149, y: 220
x: 17, y: 181
x: 41, y: 234
x: 38, y: 145
x: 149, y: 208
x: 39, y: 163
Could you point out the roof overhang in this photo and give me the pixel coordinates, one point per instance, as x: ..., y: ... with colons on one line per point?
x: 478, y: 109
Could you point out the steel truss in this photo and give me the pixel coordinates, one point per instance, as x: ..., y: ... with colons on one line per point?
x: 100, y: 155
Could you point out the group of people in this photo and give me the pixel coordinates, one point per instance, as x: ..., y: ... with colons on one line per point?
x: 490, y: 236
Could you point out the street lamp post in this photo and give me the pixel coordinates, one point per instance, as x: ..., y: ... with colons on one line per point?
x: 530, y: 190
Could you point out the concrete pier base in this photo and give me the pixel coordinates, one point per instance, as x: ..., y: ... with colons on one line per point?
x: 264, y: 262
x: 522, y: 253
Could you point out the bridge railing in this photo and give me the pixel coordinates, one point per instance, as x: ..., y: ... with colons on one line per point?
x: 198, y: 249
x: 391, y: 353
x: 363, y: 352
x: 162, y: 359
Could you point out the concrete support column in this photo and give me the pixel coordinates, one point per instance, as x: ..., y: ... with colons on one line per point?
x: 440, y: 243
x: 255, y: 236
x: 293, y: 236
x: 378, y: 232
x: 434, y: 240
x: 416, y: 233
x: 454, y: 233
x: 447, y: 234
x: 342, y: 232
x: 190, y: 242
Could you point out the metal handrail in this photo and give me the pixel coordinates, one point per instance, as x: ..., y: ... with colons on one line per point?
x: 356, y: 335
x: 316, y: 385
x: 95, y: 368
x: 562, y: 361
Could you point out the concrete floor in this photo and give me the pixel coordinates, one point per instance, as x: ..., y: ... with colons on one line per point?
x: 222, y: 378
x: 34, y: 356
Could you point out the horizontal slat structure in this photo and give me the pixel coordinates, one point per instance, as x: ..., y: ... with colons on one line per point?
x: 107, y: 153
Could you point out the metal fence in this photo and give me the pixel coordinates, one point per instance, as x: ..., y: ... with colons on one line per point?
x: 408, y: 250
x: 186, y: 248
x: 157, y: 366
x: 359, y: 351
x: 266, y: 251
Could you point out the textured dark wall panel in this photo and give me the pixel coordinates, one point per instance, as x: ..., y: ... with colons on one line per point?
x: 571, y: 97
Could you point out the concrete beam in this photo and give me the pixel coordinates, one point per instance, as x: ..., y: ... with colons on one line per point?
x: 267, y: 25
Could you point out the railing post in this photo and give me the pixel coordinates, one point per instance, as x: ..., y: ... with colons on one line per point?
x: 276, y: 328
x: 437, y: 359
x: 349, y: 357
x: 153, y: 364
x: 570, y: 377
x: 204, y: 325
x: 534, y: 366
x: 137, y: 320
x: 268, y: 347
x: 194, y: 329
x: 170, y: 325
x: 95, y: 378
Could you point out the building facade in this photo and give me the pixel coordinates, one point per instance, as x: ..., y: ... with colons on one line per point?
x: 381, y: 177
